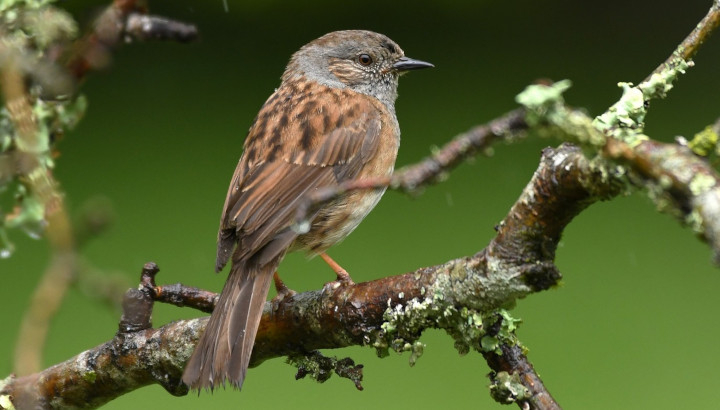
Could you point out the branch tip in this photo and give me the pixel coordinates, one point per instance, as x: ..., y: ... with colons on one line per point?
x: 147, y: 277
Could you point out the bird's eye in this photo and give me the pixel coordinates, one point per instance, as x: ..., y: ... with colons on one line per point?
x: 365, y: 59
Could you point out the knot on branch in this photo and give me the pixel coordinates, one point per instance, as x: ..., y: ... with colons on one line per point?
x: 138, y: 303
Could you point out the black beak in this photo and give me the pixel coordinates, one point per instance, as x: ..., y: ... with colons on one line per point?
x: 406, y: 64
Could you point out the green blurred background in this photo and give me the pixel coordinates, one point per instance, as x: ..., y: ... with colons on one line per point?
x: 632, y: 325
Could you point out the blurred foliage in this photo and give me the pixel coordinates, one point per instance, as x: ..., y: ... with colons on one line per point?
x: 38, y: 108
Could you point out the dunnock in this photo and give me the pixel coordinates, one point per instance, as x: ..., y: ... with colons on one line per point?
x: 331, y: 120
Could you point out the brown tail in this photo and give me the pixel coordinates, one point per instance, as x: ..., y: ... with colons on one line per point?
x: 223, y: 352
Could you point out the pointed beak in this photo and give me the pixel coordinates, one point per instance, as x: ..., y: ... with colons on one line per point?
x: 407, y: 64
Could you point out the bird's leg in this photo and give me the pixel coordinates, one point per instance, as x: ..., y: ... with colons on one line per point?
x: 282, y: 290
x: 342, y: 276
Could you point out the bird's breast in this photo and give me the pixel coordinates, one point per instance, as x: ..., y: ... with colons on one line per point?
x: 337, y: 219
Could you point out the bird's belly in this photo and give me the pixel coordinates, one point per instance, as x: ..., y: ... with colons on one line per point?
x: 337, y: 220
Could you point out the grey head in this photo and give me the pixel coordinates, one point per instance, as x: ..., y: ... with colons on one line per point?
x: 364, y: 61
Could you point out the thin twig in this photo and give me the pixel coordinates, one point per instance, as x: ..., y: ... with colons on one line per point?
x: 409, y: 179
x: 121, y: 21
x: 691, y: 44
x: 516, y: 367
x: 141, y: 27
x: 177, y: 294
x: 678, y: 181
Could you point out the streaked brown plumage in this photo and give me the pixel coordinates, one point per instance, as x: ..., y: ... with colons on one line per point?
x: 331, y: 120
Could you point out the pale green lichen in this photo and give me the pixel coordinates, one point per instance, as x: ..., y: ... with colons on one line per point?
x: 665, y: 182
x: 542, y: 98
x: 473, y: 333
x: 507, y: 388
x: 468, y: 330
x: 659, y: 195
x: 695, y: 221
x: 6, y: 403
x: 625, y: 119
x: 90, y: 376
x: 29, y: 29
x: 6, y: 5
x: 403, y: 325
x: 601, y: 173
x: 5, y: 399
x: 701, y: 183
x: 546, y: 106
x: 706, y: 203
x: 405, y: 322
x: 52, y: 119
x: 660, y: 83
x: 705, y: 142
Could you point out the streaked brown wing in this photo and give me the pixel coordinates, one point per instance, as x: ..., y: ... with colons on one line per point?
x: 314, y: 148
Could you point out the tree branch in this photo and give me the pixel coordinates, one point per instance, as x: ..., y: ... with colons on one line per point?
x: 461, y: 296
x: 123, y: 21
x: 690, y: 46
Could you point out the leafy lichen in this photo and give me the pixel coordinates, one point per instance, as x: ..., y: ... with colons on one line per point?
x: 546, y: 106
x: 625, y: 119
x: 507, y: 388
x: 660, y: 83
x: 320, y: 367
x: 469, y: 327
x: 701, y: 183
x: 90, y: 376
x: 5, y: 399
x: 705, y: 142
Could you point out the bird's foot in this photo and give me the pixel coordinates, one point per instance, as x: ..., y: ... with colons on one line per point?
x: 343, y: 277
x: 282, y: 290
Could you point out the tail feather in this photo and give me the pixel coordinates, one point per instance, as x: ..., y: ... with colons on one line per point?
x: 223, y: 352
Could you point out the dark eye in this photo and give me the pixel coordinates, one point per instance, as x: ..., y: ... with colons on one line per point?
x: 365, y: 59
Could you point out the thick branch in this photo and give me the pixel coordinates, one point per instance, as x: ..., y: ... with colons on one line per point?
x: 387, y: 313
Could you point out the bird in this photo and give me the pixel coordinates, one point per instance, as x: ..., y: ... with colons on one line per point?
x: 331, y: 120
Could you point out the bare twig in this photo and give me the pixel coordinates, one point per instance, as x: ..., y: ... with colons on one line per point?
x: 141, y: 27
x: 510, y: 126
x: 690, y: 46
x: 124, y: 20
x: 177, y: 294
x: 409, y: 179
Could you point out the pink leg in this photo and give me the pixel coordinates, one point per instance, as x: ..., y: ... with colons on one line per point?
x: 342, y: 276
